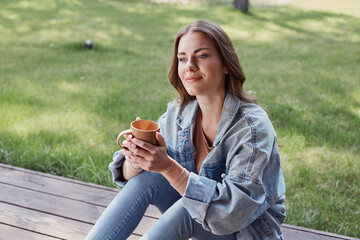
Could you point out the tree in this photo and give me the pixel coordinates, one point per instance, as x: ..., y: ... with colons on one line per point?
x: 242, y: 5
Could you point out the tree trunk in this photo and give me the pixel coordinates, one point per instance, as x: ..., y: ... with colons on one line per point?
x: 242, y: 5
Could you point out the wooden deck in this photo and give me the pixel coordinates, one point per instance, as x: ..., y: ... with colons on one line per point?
x: 38, y: 206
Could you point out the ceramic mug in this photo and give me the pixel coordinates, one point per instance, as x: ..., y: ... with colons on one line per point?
x: 141, y: 129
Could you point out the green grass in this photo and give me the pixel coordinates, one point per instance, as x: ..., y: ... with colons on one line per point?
x: 61, y: 106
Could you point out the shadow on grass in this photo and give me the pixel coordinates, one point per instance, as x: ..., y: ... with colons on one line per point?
x: 322, y: 129
x: 302, y: 24
x: 139, y: 25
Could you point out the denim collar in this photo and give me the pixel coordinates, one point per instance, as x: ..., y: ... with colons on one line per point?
x: 231, y: 105
x: 187, y: 115
x: 230, y: 108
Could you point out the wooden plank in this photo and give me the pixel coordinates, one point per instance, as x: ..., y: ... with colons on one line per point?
x: 144, y: 225
x: 62, y: 187
x: 46, y: 203
x: 51, y: 225
x: 299, y: 233
x: 43, y: 223
x: 47, y: 175
x: 14, y: 233
x: 134, y: 237
x: 57, y: 186
x: 57, y: 206
x: 53, y: 205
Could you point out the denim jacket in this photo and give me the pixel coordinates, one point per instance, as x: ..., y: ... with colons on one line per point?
x: 240, y: 186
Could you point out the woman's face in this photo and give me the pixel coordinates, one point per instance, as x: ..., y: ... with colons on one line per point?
x: 199, y: 66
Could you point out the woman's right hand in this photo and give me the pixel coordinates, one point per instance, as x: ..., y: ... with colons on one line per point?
x: 127, y: 146
x: 126, y: 152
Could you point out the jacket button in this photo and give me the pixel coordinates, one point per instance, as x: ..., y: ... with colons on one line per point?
x: 223, y: 175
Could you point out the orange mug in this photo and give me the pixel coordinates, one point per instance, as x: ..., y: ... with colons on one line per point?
x: 141, y: 129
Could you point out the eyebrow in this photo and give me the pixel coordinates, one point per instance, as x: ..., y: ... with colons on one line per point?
x: 196, y: 50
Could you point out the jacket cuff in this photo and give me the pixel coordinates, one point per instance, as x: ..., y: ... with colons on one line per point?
x: 116, y: 168
x: 198, y: 195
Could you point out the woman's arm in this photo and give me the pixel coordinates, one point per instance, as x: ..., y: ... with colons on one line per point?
x: 252, y: 183
x: 224, y: 207
x: 129, y: 169
x: 177, y: 176
x: 155, y: 159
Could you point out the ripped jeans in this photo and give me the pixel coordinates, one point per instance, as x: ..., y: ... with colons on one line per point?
x: 126, y: 210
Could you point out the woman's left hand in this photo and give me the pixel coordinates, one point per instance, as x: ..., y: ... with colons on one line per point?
x: 151, y: 157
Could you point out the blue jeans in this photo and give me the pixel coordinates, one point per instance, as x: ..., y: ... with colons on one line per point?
x: 126, y: 210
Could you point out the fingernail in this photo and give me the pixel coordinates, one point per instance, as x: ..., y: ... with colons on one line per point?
x: 133, y: 145
x: 134, y: 154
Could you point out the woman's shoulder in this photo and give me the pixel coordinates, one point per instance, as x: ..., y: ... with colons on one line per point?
x: 256, y: 116
x: 252, y: 110
x: 173, y: 105
x: 176, y: 111
x: 241, y: 109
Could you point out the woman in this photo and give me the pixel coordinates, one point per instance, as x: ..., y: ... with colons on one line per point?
x: 215, y: 173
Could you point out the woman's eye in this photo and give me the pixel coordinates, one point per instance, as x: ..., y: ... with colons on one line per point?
x: 182, y: 59
x: 202, y: 56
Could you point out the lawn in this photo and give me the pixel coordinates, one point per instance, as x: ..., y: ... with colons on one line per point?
x: 61, y: 106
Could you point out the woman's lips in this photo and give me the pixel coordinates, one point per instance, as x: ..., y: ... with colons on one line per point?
x: 192, y: 78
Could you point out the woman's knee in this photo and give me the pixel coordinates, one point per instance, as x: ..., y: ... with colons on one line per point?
x: 175, y: 223
x: 146, y: 180
x: 155, y: 187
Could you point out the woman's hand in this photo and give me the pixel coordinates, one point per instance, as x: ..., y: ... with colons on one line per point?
x: 127, y: 152
x: 148, y: 156
x: 127, y: 145
x: 154, y: 158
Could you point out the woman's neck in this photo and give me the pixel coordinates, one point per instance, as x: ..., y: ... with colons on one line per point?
x: 211, y: 109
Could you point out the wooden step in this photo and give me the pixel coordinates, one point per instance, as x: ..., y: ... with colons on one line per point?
x: 40, y: 206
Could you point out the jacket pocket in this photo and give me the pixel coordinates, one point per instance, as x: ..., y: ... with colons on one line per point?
x: 262, y: 228
x: 215, y: 171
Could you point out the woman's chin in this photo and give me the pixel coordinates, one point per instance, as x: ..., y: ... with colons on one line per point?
x: 192, y: 94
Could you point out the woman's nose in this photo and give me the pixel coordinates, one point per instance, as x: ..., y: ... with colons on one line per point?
x: 191, y: 65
